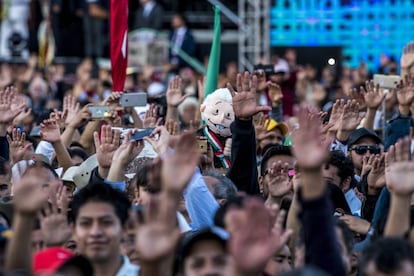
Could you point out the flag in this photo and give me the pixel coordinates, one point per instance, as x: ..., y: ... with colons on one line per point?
x: 119, y: 42
x: 214, y: 59
x: 45, y: 38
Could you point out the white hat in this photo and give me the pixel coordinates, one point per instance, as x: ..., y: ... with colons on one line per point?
x: 281, y: 67
x: 155, y: 89
x: 83, y: 174
x: 70, y: 173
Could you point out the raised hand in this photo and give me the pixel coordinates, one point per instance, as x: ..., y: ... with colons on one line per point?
x: 174, y: 92
x: 279, y: 180
x: 159, y: 139
x: 28, y: 194
x: 399, y: 171
x: 71, y: 107
x: 407, y: 58
x: 82, y: 116
x: 178, y: 167
x: 201, y: 85
x: 150, y: 119
x: 244, y: 101
x: 18, y: 101
x: 113, y: 99
x: 254, y: 236
x: 8, y: 111
x: 17, y: 147
x: 172, y: 127
x: 351, y: 117
x: 50, y: 131
x: 405, y: 92
x: 374, y: 95
x: 309, y: 149
x: 261, y: 80
x: 358, y: 96
x: 155, y: 238
x: 54, y: 224
x: 376, y: 177
x: 275, y: 93
x: 59, y: 117
x: 261, y: 123
x: 336, y: 113
x: 107, y: 145
x: 128, y: 150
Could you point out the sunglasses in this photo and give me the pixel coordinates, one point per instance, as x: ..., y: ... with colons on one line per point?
x: 361, y: 150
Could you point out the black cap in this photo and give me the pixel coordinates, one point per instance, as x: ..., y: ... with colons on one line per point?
x: 360, y: 133
x: 211, y: 233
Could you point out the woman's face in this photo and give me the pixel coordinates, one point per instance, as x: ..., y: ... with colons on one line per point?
x: 189, y: 113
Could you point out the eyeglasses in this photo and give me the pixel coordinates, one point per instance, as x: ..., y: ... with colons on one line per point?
x: 291, y: 172
x: 361, y: 150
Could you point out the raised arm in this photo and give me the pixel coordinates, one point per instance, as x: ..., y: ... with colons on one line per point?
x: 317, y: 220
x: 50, y: 132
x: 399, y: 175
x: 29, y: 198
x: 373, y: 96
x: 243, y: 171
x: 174, y: 98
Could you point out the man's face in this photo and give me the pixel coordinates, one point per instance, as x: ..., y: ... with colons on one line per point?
x: 264, y: 181
x: 70, y: 189
x: 406, y: 269
x: 37, y: 241
x: 274, y: 136
x: 330, y: 173
x: 98, y: 232
x: 358, y: 156
x: 281, y: 262
x: 346, y: 256
x: 5, y: 180
x: 218, y: 116
x: 189, y: 113
x: 207, y: 257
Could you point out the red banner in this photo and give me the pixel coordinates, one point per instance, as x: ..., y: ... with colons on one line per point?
x: 119, y: 42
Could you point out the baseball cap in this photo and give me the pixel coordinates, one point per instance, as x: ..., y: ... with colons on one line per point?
x: 53, y: 259
x: 281, y: 67
x: 360, y: 133
x: 210, y: 233
x: 272, y: 124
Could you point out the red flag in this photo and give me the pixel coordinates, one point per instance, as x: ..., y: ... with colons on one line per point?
x: 119, y: 42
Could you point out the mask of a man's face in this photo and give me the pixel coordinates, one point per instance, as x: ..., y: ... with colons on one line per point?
x: 218, y: 115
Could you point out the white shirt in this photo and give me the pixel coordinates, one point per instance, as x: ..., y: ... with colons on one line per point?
x: 178, y: 38
x: 148, y: 8
x: 127, y: 269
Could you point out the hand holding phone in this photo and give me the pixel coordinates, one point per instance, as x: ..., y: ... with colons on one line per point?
x: 99, y: 111
x: 139, y: 135
x: 133, y: 99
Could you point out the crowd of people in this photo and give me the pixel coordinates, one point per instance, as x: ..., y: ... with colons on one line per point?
x: 277, y: 172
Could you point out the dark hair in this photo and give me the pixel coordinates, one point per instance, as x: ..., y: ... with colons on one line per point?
x: 236, y: 202
x: 387, y: 254
x: 347, y: 234
x: 3, y: 165
x: 274, y: 150
x: 78, y: 152
x: 182, y: 17
x: 225, y: 188
x: 344, y: 164
x: 142, y: 177
x: 97, y: 192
